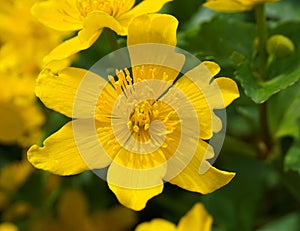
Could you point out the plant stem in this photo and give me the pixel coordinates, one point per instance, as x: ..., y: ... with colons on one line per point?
x: 262, y: 37
x: 263, y: 59
x: 265, y: 134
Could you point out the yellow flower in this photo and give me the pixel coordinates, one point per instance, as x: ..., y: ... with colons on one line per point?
x: 26, y: 40
x: 196, y: 219
x: 21, y: 116
x: 89, y: 17
x: 145, y: 127
x: 234, y: 5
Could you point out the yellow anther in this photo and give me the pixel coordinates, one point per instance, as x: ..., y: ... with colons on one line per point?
x: 155, y: 113
x: 142, y: 116
x: 129, y: 124
x: 136, y: 128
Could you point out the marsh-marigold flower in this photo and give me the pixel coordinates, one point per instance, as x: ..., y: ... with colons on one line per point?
x: 89, y: 17
x: 234, y: 5
x: 196, y: 219
x: 144, y: 126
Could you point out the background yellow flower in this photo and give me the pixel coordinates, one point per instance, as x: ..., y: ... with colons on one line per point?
x: 234, y: 5
x: 23, y: 43
x: 196, y: 219
x: 89, y: 18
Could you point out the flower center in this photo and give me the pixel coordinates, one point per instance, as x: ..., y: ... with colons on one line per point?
x: 111, y: 7
x: 143, y: 114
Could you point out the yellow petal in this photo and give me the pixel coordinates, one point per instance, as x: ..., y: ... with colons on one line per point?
x: 58, y: 91
x: 155, y: 28
x: 157, y: 225
x: 59, y: 154
x: 230, y: 6
x: 71, y: 47
x: 226, y: 7
x: 136, y: 178
x: 197, y: 217
x: 135, y: 199
x: 206, y: 94
x: 156, y: 36
x: 229, y: 91
x: 201, y: 106
x: 59, y: 15
x: 137, y: 171
x: 212, y: 67
x: 95, y: 22
x: 145, y: 7
x: 193, y: 179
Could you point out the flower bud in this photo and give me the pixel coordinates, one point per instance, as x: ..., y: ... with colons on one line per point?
x: 280, y: 46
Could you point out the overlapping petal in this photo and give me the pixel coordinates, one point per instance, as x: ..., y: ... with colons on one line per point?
x: 206, y: 94
x: 59, y: 15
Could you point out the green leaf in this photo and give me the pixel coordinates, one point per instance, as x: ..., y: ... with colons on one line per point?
x: 281, y: 73
x: 284, y: 10
x: 290, y: 222
x: 284, y: 114
x: 292, y: 158
x: 237, y: 206
x: 218, y: 38
x: 260, y: 91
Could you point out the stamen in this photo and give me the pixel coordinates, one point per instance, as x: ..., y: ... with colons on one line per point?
x: 143, y: 114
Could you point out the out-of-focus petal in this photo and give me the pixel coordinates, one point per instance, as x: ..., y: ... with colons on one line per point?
x: 198, y: 218
x: 156, y: 225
